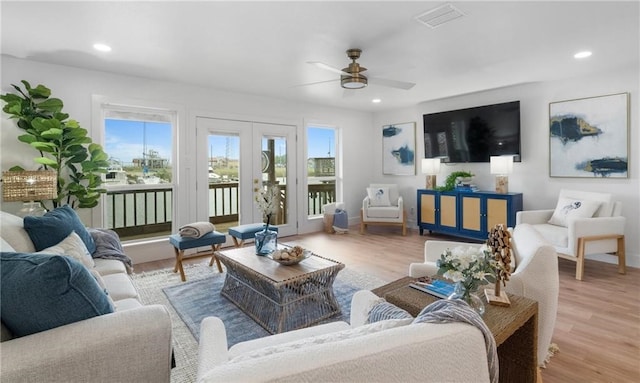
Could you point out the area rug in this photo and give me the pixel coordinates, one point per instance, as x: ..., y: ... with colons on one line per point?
x: 199, y: 299
x: 150, y: 287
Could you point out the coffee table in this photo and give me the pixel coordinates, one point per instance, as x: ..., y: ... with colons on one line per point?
x: 514, y: 328
x: 280, y: 298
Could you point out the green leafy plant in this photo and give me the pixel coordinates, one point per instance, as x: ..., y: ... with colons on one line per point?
x: 450, y: 182
x: 63, y: 145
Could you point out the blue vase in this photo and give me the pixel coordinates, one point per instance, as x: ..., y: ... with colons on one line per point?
x: 266, y: 241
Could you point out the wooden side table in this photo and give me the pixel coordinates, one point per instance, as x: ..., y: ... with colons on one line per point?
x: 514, y: 328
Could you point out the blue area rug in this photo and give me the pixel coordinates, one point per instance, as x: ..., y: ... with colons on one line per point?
x: 195, y: 300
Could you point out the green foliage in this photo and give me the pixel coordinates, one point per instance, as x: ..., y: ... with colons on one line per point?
x: 63, y: 145
x: 450, y: 182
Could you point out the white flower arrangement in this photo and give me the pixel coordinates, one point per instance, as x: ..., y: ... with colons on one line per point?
x: 267, y: 199
x: 470, y: 266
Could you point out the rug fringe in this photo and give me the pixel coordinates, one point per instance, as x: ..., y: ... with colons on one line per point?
x: 551, y: 351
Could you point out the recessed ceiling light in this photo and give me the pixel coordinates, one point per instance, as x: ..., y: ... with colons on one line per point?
x: 102, y: 47
x: 582, y: 55
x: 376, y: 100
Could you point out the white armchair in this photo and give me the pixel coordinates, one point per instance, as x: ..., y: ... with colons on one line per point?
x: 598, y: 234
x: 383, y: 205
x: 534, y: 275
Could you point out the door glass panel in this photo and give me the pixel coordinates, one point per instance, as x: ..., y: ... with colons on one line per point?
x: 274, y: 172
x: 321, y: 168
x: 223, y: 177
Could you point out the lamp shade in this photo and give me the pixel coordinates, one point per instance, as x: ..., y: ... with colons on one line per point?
x: 501, y: 164
x: 29, y: 185
x: 430, y: 166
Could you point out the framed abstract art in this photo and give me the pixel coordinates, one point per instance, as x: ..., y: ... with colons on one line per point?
x: 399, y: 149
x: 589, y: 137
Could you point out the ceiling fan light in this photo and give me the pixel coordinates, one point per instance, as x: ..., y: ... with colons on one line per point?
x: 353, y: 82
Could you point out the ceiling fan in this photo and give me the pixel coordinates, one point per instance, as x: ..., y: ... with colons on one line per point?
x: 351, y: 77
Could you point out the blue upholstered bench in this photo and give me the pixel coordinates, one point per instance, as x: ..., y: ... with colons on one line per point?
x: 180, y: 244
x: 248, y: 231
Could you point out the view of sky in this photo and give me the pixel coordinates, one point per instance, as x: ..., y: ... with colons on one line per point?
x: 126, y: 140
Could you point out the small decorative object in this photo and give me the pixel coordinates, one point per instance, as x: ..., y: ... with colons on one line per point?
x: 469, y: 267
x: 399, y: 149
x: 500, y: 246
x: 290, y: 256
x: 268, y: 202
x: 589, y: 137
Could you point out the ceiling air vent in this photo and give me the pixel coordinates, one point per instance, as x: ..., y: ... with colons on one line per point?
x: 438, y: 16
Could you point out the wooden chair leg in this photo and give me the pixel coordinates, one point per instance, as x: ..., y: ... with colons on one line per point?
x: 215, y: 248
x: 580, y: 259
x: 175, y: 268
x: 404, y: 223
x: 363, y: 226
x: 622, y: 261
x: 179, y: 256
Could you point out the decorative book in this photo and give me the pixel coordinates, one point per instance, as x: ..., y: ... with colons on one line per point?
x: 437, y: 288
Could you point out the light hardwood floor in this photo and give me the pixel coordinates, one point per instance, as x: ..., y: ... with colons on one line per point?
x: 598, y: 323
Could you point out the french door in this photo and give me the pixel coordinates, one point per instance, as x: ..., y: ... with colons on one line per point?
x: 236, y: 157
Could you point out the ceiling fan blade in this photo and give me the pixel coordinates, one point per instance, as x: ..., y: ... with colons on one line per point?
x: 314, y: 83
x: 328, y: 67
x: 391, y: 83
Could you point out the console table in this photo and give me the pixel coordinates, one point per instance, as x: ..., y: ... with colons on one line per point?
x: 514, y: 328
x: 466, y: 213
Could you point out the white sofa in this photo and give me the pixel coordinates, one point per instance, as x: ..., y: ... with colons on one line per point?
x: 132, y: 344
x: 534, y: 275
x: 598, y: 234
x: 386, y: 351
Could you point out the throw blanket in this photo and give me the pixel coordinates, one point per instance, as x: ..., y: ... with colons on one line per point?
x: 108, y: 246
x: 456, y: 310
x: 196, y: 229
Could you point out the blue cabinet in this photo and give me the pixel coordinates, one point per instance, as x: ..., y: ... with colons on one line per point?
x: 466, y: 214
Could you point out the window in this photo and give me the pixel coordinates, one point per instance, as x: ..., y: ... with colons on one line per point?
x: 139, y: 142
x: 321, y: 168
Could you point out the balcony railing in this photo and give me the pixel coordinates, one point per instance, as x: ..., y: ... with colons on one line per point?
x: 140, y: 213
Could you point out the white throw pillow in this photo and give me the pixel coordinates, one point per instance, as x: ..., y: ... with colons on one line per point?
x: 573, y: 208
x: 378, y: 196
x: 73, y: 247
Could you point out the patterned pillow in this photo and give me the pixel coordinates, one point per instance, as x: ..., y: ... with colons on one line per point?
x: 385, y: 310
x: 573, y: 208
x: 378, y: 196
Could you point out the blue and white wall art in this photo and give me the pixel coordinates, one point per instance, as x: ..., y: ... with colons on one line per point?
x: 399, y: 149
x: 589, y: 137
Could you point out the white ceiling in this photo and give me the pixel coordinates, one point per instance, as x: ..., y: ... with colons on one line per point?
x: 263, y: 47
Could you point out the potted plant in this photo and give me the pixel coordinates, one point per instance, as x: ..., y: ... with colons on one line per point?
x: 63, y: 145
x: 450, y: 182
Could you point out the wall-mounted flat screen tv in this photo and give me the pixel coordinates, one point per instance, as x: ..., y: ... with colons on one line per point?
x: 473, y: 134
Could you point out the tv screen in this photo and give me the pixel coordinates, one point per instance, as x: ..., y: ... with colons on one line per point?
x: 473, y: 134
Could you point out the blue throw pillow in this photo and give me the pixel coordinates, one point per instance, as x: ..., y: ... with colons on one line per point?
x: 39, y: 292
x: 55, y: 226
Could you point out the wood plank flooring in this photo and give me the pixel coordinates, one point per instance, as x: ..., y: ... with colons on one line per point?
x: 598, y: 323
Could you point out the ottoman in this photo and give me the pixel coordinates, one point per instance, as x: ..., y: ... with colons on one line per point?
x: 180, y: 244
x: 243, y: 232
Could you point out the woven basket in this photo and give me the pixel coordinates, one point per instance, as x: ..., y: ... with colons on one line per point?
x: 28, y: 185
x: 328, y: 223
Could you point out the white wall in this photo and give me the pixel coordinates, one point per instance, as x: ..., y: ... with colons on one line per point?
x: 77, y: 86
x: 531, y: 176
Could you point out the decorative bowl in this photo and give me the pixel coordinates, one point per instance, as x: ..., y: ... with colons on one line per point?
x: 290, y: 256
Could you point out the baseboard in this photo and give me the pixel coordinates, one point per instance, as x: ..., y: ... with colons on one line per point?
x: 633, y: 260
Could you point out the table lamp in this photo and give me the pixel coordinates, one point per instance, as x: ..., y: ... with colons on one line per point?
x: 29, y: 187
x: 431, y: 167
x: 502, y: 166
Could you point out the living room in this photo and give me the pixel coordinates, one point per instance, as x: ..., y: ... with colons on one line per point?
x: 360, y: 126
